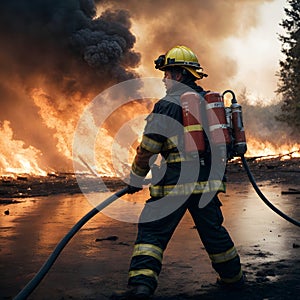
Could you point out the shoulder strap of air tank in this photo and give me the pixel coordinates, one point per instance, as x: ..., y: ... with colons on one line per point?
x: 204, y: 116
x: 202, y: 93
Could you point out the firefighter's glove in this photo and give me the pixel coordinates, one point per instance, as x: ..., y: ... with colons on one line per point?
x: 135, y: 183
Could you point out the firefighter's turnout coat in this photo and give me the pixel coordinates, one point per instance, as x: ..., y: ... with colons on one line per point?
x: 175, y: 182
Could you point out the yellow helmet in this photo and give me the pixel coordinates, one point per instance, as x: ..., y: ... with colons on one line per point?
x: 181, y: 56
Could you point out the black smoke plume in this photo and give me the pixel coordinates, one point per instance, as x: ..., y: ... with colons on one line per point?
x: 63, y: 47
x: 65, y: 41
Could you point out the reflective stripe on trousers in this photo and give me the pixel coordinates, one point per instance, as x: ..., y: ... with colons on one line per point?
x: 224, y: 256
x: 221, y: 262
x: 145, y: 272
x: 146, y: 250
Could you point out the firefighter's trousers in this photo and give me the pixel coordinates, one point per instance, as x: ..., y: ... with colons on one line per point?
x: 153, y: 237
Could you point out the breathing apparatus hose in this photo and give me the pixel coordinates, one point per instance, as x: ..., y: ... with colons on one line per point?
x: 262, y: 196
x: 29, y: 288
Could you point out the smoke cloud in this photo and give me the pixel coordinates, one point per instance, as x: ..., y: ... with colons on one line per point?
x: 63, y: 48
x: 57, y: 55
x: 65, y: 42
x: 199, y: 24
x: 263, y: 130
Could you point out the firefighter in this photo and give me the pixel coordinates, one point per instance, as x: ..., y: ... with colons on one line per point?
x: 181, y: 193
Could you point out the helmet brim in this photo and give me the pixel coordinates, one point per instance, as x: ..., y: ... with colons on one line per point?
x: 195, y: 72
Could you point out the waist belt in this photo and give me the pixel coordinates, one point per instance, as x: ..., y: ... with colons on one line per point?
x: 188, y: 188
x: 176, y: 158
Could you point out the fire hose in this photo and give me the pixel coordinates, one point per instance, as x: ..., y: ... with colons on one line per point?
x: 34, y: 282
x: 262, y: 196
x: 30, y: 287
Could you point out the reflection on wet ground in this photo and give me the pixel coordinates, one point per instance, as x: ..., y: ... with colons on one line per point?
x: 33, y: 227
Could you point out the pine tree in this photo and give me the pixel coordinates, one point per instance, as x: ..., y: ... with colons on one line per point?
x: 289, y: 82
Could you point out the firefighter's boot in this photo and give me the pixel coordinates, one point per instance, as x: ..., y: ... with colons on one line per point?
x: 237, y: 285
x: 137, y: 292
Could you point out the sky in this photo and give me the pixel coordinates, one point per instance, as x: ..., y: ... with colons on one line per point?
x: 258, y: 53
x: 255, y: 50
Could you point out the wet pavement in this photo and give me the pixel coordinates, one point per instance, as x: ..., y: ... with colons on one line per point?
x: 93, y: 264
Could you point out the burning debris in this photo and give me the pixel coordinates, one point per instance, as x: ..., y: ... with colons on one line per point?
x: 24, y: 186
x: 272, y: 169
x: 58, y: 55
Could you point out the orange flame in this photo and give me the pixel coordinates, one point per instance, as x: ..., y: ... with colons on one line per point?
x: 64, y: 126
x: 258, y: 148
x: 114, y: 149
x: 15, y: 158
